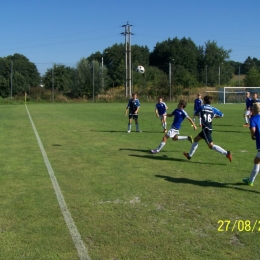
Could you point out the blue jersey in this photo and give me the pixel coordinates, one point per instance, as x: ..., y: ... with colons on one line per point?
x: 197, y: 103
x: 255, y: 122
x: 133, y: 104
x: 248, y: 103
x: 161, y: 108
x: 207, y: 113
x: 254, y: 101
x: 179, y: 116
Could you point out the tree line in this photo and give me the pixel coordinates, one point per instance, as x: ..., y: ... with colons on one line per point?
x: 191, y: 66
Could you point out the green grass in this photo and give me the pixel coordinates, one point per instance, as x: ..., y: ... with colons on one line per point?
x: 125, y: 202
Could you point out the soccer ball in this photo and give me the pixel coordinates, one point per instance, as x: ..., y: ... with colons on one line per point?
x: 140, y: 69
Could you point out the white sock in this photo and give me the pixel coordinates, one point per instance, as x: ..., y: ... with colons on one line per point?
x: 162, y: 144
x: 193, y: 148
x: 254, y: 172
x: 182, y: 138
x: 200, y: 121
x: 246, y: 119
x: 219, y: 149
x: 129, y: 127
x: 136, y: 127
x: 165, y: 125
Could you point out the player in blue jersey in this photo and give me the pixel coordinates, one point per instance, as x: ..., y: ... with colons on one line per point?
x: 247, y: 109
x: 197, y: 103
x: 254, y: 99
x: 160, y: 111
x: 207, y: 113
x: 255, y: 135
x: 179, y: 115
x: 133, y: 108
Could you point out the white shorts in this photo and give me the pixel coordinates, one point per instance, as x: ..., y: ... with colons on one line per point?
x: 172, y: 132
x: 162, y: 117
x: 247, y: 112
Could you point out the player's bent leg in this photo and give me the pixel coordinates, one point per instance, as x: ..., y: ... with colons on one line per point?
x: 221, y: 150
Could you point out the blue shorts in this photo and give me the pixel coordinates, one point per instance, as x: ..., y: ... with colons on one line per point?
x: 133, y: 116
x: 206, y: 135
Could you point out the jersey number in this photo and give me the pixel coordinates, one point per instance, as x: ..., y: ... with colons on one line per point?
x: 207, y: 118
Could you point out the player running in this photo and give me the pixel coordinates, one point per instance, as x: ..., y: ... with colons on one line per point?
x: 207, y: 113
x: 198, y: 102
x: 247, y: 109
x: 255, y: 135
x: 160, y: 111
x: 179, y: 115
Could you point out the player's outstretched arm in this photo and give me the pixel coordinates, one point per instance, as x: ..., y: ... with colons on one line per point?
x: 193, y: 124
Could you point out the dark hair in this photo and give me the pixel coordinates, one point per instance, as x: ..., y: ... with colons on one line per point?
x: 183, y: 103
x: 207, y: 99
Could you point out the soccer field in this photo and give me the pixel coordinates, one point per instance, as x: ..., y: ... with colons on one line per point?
x: 85, y: 189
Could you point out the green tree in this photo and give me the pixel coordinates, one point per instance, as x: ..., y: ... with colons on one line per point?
x: 26, y: 68
x: 154, y: 82
x: 213, y: 61
x: 248, y: 64
x: 114, y: 62
x: 89, y: 76
x: 19, y: 83
x: 5, y: 68
x: 61, y: 76
x: 183, y: 54
x: 252, y: 79
x: 4, y: 87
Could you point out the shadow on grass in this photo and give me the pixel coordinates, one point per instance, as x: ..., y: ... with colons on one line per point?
x: 206, y: 183
x: 165, y: 157
x: 232, y: 131
x: 136, y: 150
x: 132, y: 132
x: 108, y: 131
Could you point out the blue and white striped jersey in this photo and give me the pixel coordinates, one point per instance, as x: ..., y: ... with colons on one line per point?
x: 207, y: 113
x: 133, y: 104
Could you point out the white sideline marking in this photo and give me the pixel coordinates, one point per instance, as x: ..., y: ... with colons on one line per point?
x: 82, y: 251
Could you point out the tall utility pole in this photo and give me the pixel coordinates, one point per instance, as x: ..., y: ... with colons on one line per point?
x: 11, y: 78
x: 206, y: 75
x: 170, y: 79
x: 52, y: 92
x: 128, y: 62
x: 93, y: 83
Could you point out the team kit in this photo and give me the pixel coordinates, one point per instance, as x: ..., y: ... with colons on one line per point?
x: 205, y: 114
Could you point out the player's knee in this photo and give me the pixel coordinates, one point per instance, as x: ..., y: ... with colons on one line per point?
x: 175, y: 138
x: 210, y: 146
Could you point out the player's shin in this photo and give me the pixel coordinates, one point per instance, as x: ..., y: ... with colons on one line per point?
x: 219, y: 149
x: 162, y: 144
x: 254, y: 172
x: 193, y: 148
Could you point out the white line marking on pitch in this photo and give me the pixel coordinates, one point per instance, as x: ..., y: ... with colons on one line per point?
x: 82, y: 251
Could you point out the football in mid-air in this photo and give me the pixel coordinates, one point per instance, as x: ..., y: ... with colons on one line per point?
x: 140, y: 69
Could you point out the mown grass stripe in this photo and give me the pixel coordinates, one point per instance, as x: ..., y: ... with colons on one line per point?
x: 82, y: 251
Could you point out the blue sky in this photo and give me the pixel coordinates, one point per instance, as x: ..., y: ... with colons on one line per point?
x: 55, y: 31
